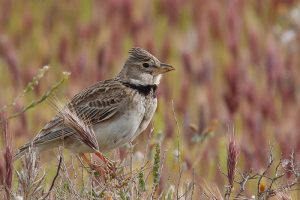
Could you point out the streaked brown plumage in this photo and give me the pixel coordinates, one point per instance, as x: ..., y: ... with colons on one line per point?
x: 118, y: 109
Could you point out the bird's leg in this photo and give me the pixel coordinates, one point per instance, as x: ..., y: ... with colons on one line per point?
x: 99, y: 169
x: 110, y: 165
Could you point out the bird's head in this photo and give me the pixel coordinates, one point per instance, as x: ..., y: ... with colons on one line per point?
x: 143, y: 68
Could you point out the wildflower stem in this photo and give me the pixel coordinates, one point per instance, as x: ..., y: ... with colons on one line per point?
x: 43, y: 98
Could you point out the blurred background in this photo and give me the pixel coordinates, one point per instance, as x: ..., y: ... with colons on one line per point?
x: 237, y: 70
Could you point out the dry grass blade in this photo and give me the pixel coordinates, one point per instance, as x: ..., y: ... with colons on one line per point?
x: 6, y: 163
x: 81, y: 127
x: 211, y: 192
x: 283, y: 195
x: 29, y: 178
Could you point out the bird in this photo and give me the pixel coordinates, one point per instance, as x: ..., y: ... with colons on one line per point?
x: 117, y: 109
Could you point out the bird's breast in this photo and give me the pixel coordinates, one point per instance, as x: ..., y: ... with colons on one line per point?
x: 150, y: 107
x: 134, y: 118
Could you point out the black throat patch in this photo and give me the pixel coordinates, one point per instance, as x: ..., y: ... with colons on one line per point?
x: 142, y: 89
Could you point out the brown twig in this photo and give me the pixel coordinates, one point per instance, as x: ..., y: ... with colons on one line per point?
x: 54, y: 179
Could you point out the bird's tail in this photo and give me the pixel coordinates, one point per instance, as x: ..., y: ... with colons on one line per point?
x: 35, y: 147
x: 22, y: 151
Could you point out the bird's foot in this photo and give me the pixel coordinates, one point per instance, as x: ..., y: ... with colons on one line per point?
x: 111, y: 166
x: 106, y: 171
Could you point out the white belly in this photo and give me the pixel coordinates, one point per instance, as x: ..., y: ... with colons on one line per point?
x: 119, y: 131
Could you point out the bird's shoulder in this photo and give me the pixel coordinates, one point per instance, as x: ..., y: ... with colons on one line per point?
x: 103, y: 91
x: 101, y: 101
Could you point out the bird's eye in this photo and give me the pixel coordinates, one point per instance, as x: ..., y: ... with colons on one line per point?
x: 146, y: 65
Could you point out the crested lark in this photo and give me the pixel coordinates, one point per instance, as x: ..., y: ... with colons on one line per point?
x: 118, y: 109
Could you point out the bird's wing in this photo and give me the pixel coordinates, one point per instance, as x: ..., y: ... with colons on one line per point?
x: 95, y: 104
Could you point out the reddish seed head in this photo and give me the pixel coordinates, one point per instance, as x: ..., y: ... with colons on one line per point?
x: 231, y: 160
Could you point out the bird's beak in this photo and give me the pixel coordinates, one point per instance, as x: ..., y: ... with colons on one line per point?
x: 163, y: 68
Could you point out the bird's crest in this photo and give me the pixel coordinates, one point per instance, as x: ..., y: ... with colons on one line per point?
x: 140, y: 54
